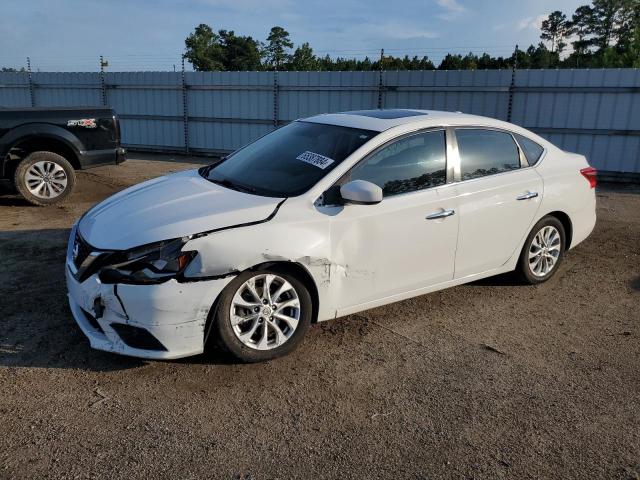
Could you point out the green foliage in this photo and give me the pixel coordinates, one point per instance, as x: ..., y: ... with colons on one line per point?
x: 555, y: 29
x: 303, y: 59
x: 204, y: 50
x: 208, y: 50
x: 239, y: 52
x: 276, y: 51
x: 604, y: 34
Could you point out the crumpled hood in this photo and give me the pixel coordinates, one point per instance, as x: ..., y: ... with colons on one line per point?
x: 168, y: 207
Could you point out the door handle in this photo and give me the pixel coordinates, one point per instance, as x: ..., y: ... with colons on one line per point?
x: 440, y: 214
x: 527, y: 196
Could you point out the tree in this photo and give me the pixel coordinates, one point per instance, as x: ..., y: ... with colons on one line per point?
x: 276, y: 51
x: 581, y: 26
x: 422, y: 63
x: 604, y: 34
x: 555, y: 29
x: 203, y: 49
x: 208, y: 50
x: 628, y: 22
x: 605, y: 21
x: 240, y: 53
x: 451, y: 62
x: 542, y: 57
x: 632, y: 52
x: 487, y: 62
x: 303, y: 59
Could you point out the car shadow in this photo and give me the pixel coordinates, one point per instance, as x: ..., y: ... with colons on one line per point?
x: 509, y: 279
x: 37, y: 329
x: 13, y: 200
x: 635, y: 283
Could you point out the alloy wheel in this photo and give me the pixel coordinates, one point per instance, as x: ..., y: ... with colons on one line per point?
x: 265, y: 312
x: 544, y: 251
x: 46, y: 179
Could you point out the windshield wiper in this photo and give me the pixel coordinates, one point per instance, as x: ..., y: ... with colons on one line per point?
x: 233, y: 186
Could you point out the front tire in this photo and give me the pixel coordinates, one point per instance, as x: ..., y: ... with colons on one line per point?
x: 44, y: 178
x: 543, y: 251
x: 262, y: 315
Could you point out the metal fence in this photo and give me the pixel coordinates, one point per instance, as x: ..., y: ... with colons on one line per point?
x: 593, y: 112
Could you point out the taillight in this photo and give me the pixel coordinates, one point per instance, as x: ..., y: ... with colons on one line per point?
x: 116, y: 124
x: 590, y: 174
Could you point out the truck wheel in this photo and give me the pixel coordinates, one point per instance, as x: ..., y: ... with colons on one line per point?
x: 44, y: 178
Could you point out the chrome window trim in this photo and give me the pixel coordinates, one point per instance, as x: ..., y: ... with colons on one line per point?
x: 452, y: 155
x: 412, y: 133
x: 524, y: 164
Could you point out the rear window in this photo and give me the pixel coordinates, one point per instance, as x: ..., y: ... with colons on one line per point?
x: 531, y: 149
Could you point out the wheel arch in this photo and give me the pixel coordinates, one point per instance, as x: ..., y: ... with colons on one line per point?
x: 301, y: 273
x: 280, y: 266
x: 565, y: 220
x: 23, y: 141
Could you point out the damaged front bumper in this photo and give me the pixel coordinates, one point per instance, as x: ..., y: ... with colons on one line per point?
x: 162, y: 321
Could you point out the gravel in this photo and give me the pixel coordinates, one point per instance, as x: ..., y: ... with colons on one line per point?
x: 487, y: 380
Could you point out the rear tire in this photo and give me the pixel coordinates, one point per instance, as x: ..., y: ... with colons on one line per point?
x: 253, y: 329
x: 44, y: 178
x: 543, y: 251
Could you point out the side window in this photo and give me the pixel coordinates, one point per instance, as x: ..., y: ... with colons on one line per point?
x: 486, y: 152
x: 410, y: 164
x: 531, y: 149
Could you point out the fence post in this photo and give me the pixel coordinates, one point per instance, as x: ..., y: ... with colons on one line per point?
x: 276, y: 99
x: 185, y: 110
x: 512, y: 85
x: 103, y: 87
x: 380, y: 82
x: 31, y: 97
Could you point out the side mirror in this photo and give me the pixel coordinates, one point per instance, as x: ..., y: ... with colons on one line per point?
x: 361, y: 192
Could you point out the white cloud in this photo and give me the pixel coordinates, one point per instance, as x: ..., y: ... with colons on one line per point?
x: 451, y: 9
x: 451, y: 5
x: 531, y: 23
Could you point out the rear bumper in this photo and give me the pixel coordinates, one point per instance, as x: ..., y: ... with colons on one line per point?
x: 584, y: 220
x: 96, y: 158
x: 121, y: 155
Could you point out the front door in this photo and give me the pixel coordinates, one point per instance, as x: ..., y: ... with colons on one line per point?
x: 407, y: 241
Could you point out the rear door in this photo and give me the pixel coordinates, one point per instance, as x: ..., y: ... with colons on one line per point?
x: 498, y: 197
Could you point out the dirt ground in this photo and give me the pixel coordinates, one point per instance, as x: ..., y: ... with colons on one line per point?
x: 487, y: 380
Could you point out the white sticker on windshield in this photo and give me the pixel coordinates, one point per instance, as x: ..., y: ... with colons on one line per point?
x: 315, y: 159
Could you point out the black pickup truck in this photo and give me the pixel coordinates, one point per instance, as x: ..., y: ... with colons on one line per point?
x: 40, y: 148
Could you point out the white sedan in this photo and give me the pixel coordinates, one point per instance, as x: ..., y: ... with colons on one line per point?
x: 322, y: 218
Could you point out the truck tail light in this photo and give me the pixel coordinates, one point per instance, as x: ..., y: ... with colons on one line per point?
x: 116, y: 122
x: 590, y: 174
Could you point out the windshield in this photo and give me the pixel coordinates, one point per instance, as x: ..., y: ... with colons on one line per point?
x: 288, y: 161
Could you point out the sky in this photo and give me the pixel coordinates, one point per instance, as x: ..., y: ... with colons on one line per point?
x: 70, y: 35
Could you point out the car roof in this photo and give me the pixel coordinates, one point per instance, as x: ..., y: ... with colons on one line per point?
x: 384, y: 119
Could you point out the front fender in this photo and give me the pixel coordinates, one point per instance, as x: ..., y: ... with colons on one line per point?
x: 229, y: 252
